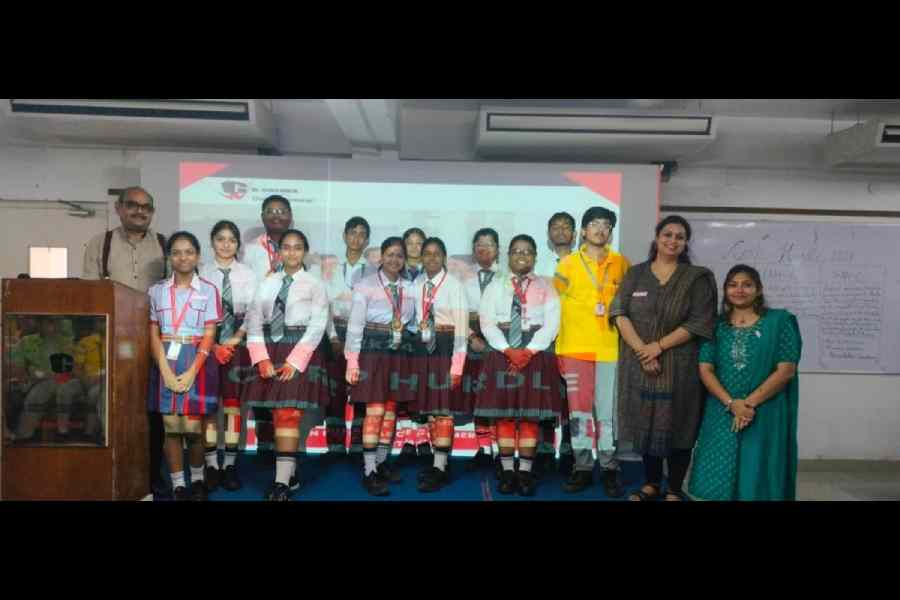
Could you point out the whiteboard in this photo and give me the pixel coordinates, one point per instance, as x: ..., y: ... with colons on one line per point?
x: 841, y: 280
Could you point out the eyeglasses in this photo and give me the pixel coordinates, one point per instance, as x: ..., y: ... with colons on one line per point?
x: 136, y: 206
x: 277, y: 212
x: 522, y: 252
x: 600, y: 224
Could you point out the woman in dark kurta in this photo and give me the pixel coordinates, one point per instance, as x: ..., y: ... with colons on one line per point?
x: 664, y: 308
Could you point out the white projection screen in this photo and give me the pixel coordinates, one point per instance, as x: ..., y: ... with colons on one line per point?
x: 450, y: 200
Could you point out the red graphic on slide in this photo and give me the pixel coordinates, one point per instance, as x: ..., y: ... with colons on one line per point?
x: 234, y: 190
x: 192, y: 172
x: 608, y: 185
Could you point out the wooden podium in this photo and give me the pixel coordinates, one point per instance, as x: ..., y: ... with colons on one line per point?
x: 118, y: 471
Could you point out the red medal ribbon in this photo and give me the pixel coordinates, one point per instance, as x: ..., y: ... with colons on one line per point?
x: 176, y: 322
x: 264, y: 242
x: 426, y: 306
x: 395, y: 308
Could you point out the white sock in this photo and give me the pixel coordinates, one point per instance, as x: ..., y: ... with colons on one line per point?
x: 370, y: 462
x: 230, y: 458
x: 525, y: 464
x: 440, y: 459
x: 177, y: 479
x: 196, y: 474
x: 381, y: 453
x: 508, y: 462
x: 212, y: 458
x: 284, y: 469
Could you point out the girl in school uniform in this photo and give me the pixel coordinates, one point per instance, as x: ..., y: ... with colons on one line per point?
x: 237, y: 285
x: 519, y: 317
x: 486, y: 252
x: 442, y: 326
x: 381, y: 308
x: 184, y: 384
x: 285, y: 324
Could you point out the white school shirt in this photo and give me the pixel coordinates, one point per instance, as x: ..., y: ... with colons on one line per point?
x: 473, y: 289
x: 243, y: 283
x: 541, y: 308
x: 306, y: 305
x: 371, y: 305
x: 340, y: 289
x: 450, y: 308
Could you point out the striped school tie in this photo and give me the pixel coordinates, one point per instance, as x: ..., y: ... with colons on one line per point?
x: 276, y: 327
x: 515, y: 321
x: 226, y: 330
x: 432, y: 343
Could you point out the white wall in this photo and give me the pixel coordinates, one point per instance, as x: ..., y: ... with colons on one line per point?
x: 841, y: 416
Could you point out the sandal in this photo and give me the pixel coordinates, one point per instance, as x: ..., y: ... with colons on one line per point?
x: 673, y: 496
x: 641, y: 496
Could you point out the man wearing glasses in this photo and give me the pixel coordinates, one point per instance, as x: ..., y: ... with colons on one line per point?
x: 134, y: 255
x: 588, y: 348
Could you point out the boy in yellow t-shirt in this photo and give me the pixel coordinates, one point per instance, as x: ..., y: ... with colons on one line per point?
x: 588, y: 348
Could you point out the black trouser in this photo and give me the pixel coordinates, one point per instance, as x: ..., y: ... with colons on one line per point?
x: 157, y: 437
x: 678, y: 459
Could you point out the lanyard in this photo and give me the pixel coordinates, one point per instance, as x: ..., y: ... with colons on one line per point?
x: 176, y: 321
x: 395, y: 308
x: 264, y: 242
x: 591, y: 274
x: 521, y: 295
x: 426, y: 306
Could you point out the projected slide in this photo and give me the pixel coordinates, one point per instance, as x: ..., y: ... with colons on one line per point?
x: 451, y: 210
x: 450, y: 200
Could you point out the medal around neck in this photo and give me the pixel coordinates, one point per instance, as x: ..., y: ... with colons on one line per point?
x: 425, y: 330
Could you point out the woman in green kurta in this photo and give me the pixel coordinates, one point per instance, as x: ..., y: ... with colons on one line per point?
x: 747, y: 446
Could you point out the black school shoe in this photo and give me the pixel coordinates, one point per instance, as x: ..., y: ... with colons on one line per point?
x: 375, y: 485
x: 198, y: 492
x: 578, y: 482
x: 527, y: 483
x: 388, y: 473
x: 424, y: 472
x: 231, y: 482
x: 432, y: 480
x: 508, y: 482
x: 612, y: 483
x: 212, y: 477
x: 180, y: 494
x: 278, y: 493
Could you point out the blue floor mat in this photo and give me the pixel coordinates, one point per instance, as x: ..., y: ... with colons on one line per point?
x: 341, y: 481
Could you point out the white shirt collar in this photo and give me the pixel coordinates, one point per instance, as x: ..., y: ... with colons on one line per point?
x: 195, y: 281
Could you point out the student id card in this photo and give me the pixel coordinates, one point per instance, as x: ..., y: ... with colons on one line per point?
x: 174, y: 350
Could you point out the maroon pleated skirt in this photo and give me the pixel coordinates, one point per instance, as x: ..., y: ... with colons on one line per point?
x: 306, y: 390
x: 433, y: 395
x: 384, y: 373
x: 535, y: 393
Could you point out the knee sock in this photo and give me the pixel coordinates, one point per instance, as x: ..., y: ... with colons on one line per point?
x: 230, y: 456
x: 284, y: 467
x: 196, y: 474
x: 381, y: 453
x: 369, y: 461
x: 440, y: 458
x: 211, y: 455
x: 653, y: 467
x: 177, y: 479
x: 508, y: 462
x: 678, y: 459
